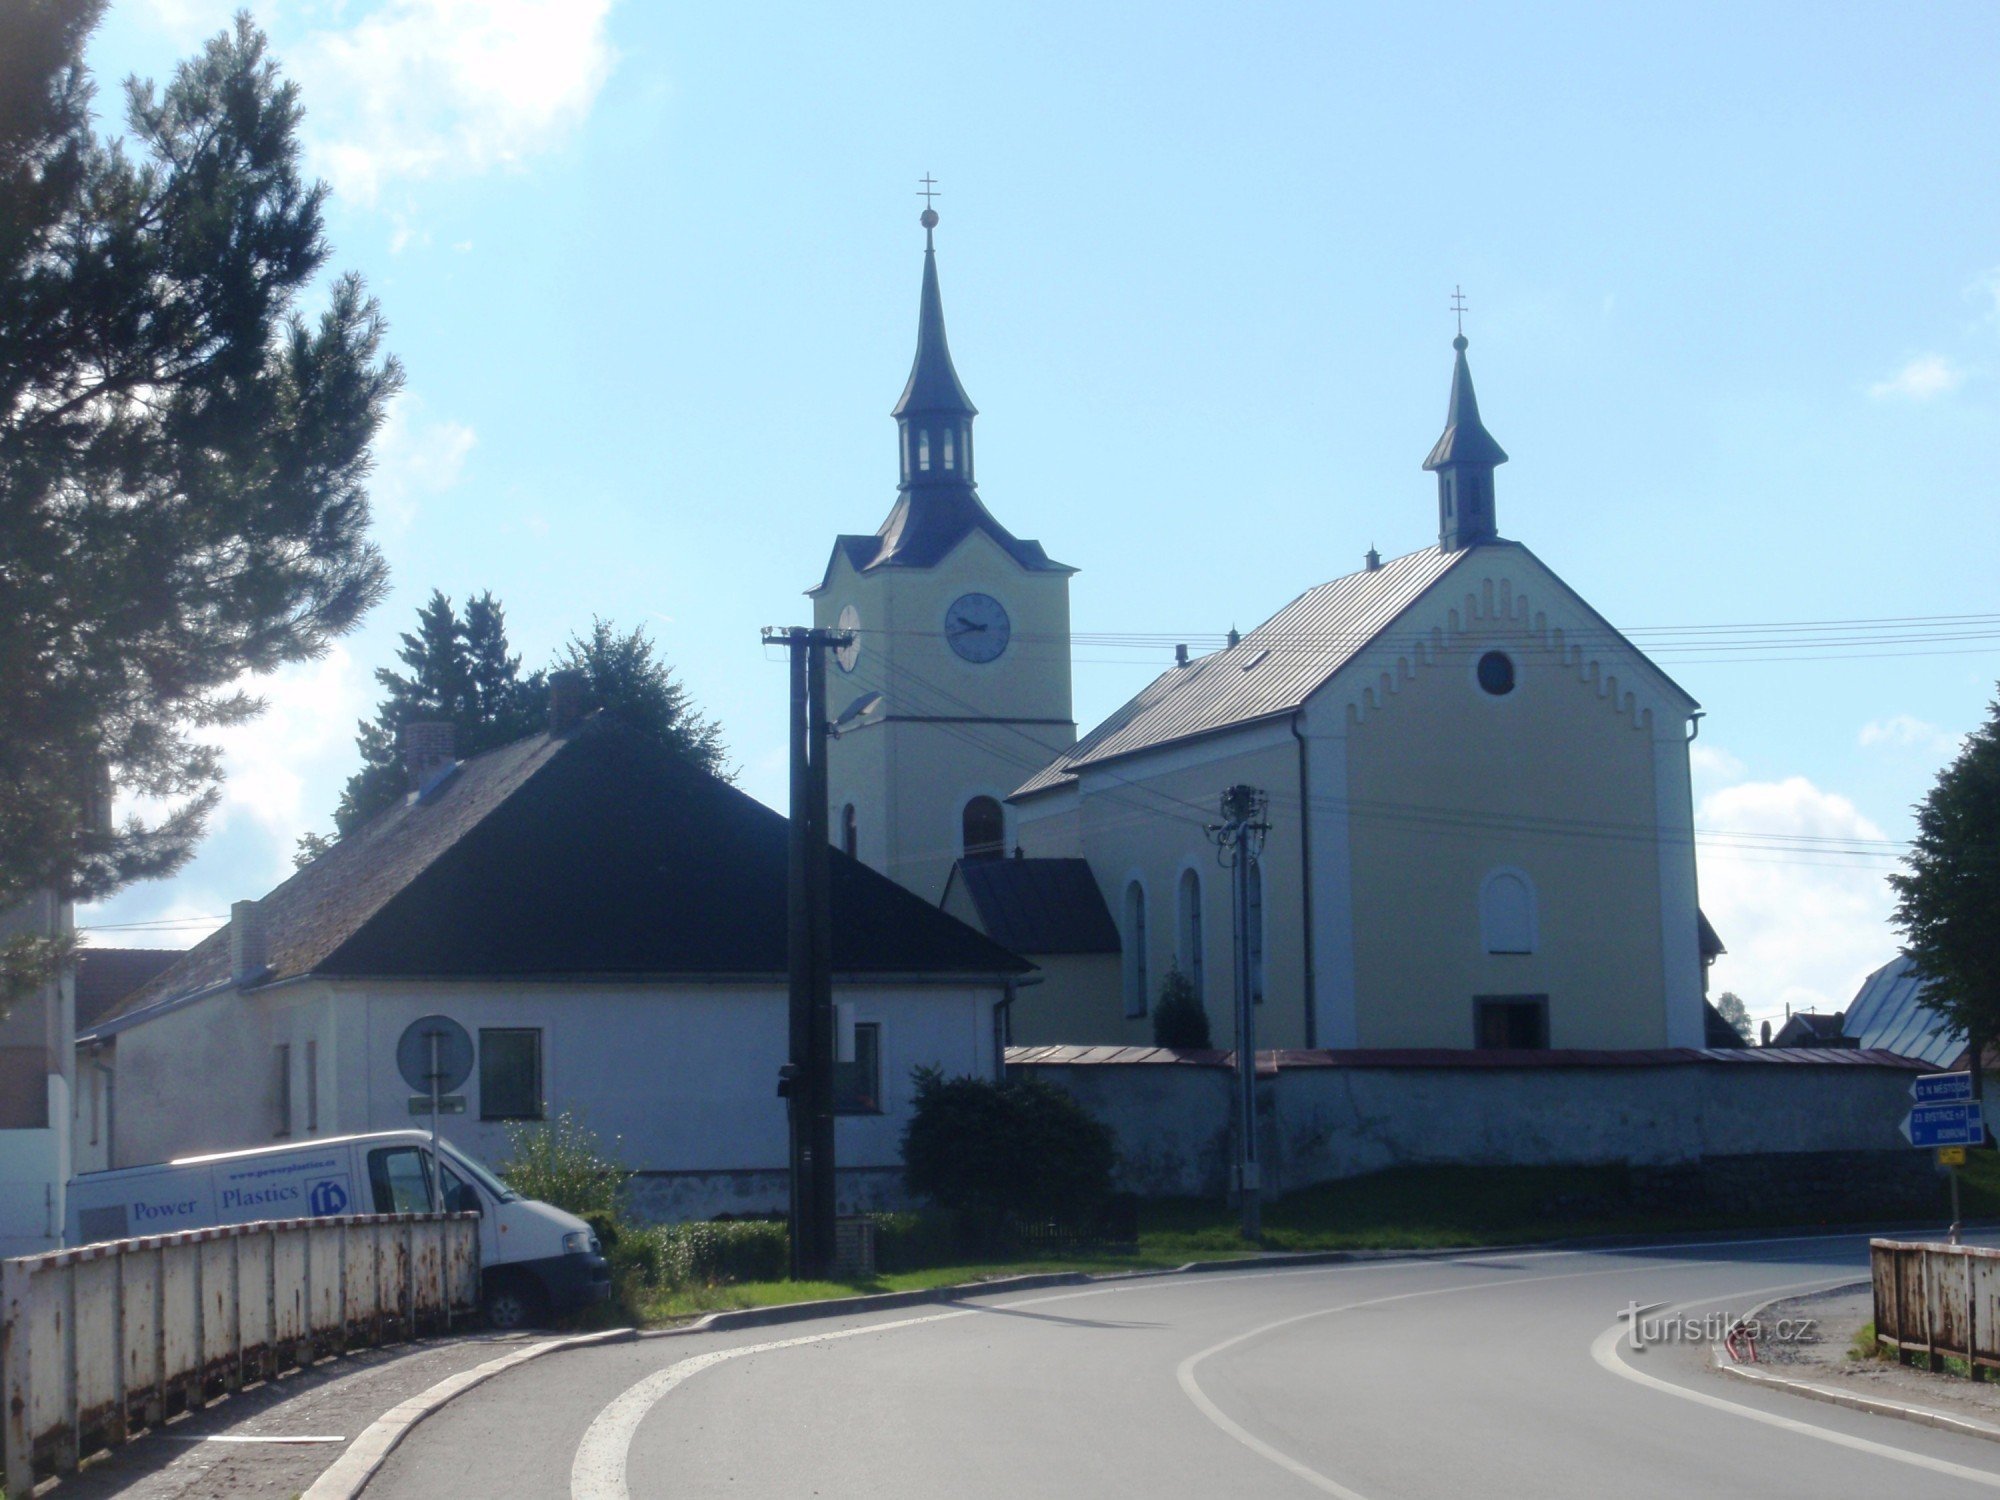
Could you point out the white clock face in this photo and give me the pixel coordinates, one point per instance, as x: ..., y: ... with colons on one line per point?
x: 977, y: 627
x: 848, y: 655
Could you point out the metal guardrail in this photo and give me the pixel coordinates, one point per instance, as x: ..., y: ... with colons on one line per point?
x: 1938, y: 1302
x: 101, y: 1341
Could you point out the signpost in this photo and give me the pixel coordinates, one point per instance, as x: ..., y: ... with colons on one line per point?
x: 434, y: 1055
x: 1947, y: 1119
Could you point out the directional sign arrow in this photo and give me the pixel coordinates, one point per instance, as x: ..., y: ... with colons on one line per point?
x: 1941, y: 1088
x: 1944, y: 1125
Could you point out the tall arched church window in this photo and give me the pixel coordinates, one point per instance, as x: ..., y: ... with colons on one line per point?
x: 948, y: 451
x: 1507, y: 913
x: 850, y: 832
x: 1254, y: 936
x: 923, y: 447
x: 1193, y: 959
x: 985, y: 829
x: 1134, y: 938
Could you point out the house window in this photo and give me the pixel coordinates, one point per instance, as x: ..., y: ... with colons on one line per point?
x: 1136, y: 996
x: 281, y: 1091
x: 312, y: 1086
x: 510, y: 1073
x: 1507, y: 913
x: 857, y: 1085
x: 1496, y: 673
x: 397, y: 1178
x: 985, y: 827
x: 1191, y: 954
x: 1253, y: 937
x: 1510, y: 1022
x: 850, y: 832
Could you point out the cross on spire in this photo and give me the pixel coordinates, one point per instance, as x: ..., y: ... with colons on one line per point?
x: 1458, y: 308
x: 929, y: 189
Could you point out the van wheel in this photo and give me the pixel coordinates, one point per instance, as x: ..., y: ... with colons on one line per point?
x: 511, y: 1304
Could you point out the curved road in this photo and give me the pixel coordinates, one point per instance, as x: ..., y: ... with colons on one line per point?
x: 1493, y: 1375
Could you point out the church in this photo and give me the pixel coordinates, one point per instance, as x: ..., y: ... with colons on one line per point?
x: 1480, y: 821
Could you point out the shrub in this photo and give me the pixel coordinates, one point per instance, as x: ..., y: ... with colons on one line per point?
x: 913, y: 1242
x: 707, y: 1252
x: 995, y: 1153
x: 1180, y: 1020
x: 562, y: 1163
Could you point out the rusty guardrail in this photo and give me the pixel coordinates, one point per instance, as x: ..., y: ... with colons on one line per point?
x: 1937, y: 1301
x: 100, y: 1341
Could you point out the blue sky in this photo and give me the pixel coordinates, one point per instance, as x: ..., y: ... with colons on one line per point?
x: 1734, y: 276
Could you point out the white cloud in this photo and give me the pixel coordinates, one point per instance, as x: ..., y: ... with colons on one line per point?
x: 1907, y: 732
x: 429, y: 88
x: 1711, y: 763
x: 1803, y: 925
x: 309, y: 715
x: 415, y: 458
x: 1923, y: 378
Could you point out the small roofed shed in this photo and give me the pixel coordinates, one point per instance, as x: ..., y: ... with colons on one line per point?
x: 1051, y: 912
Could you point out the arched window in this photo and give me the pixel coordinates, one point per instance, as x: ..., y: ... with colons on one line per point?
x: 1253, y: 937
x: 1507, y: 913
x: 948, y: 454
x: 1134, y: 936
x: 1192, y: 958
x: 985, y: 829
x: 850, y: 832
x: 923, y: 447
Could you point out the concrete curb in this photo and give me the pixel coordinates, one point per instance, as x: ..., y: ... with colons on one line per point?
x: 1813, y: 1391
x: 349, y: 1473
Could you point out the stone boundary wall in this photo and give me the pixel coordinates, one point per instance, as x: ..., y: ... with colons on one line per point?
x: 1828, y: 1120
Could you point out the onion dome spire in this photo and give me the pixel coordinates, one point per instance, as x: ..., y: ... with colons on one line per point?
x: 1464, y: 459
x: 934, y: 415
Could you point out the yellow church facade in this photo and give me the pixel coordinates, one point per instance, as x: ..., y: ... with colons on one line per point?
x: 1479, y: 813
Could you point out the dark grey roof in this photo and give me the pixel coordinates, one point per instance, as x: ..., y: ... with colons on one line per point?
x: 1465, y: 439
x: 1717, y: 1032
x: 1038, y: 906
x: 1806, y: 1029
x: 1272, y: 670
x: 924, y: 525
x: 1710, y: 939
x: 933, y: 384
x: 1889, y: 1013
x: 105, y: 976
x: 589, y: 854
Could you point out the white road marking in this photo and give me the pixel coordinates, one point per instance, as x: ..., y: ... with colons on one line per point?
x: 1605, y: 1351
x: 226, y: 1438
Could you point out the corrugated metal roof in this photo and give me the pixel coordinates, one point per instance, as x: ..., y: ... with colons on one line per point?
x: 1455, y: 1057
x: 1270, y: 671
x: 1889, y: 1013
x: 1039, y: 906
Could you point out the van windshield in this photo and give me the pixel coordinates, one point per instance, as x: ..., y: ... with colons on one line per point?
x: 479, y: 1174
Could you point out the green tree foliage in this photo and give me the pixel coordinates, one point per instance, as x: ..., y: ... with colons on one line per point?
x: 460, y: 670
x: 1005, y: 1152
x: 183, y: 453
x: 1180, y: 1020
x: 1732, y: 1009
x: 1948, y: 900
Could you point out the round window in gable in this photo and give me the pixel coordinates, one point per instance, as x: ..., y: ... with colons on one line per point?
x: 1496, y: 673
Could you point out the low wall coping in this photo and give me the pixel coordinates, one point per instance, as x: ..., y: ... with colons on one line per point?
x: 1280, y: 1059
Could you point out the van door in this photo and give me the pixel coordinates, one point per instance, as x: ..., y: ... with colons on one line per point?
x: 399, y: 1180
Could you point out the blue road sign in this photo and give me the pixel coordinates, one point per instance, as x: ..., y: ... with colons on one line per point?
x: 1941, y: 1088
x: 1945, y: 1125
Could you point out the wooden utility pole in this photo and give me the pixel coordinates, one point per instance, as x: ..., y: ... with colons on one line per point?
x: 1239, y: 840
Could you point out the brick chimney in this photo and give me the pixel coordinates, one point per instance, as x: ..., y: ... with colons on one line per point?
x: 249, y: 945
x: 567, y: 690
x: 427, y: 751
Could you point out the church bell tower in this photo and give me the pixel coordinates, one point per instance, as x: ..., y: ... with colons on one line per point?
x: 1464, y: 460
x: 961, y: 626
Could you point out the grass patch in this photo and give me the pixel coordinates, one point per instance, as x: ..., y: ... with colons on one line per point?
x: 1863, y: 1345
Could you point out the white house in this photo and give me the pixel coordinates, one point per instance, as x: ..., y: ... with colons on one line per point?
x: 609, y: 925
x: 1480, y: 821
x: 35, y: 1083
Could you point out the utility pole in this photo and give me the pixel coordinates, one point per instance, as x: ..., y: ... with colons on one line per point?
x: 806, y: 1081
x: 1239, y: 841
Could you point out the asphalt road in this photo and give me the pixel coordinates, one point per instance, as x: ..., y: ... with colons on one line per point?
x: 1490, y: 1375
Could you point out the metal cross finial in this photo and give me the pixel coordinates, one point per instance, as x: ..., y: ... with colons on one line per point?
x: 1458, y: 307
x: 929, y: 189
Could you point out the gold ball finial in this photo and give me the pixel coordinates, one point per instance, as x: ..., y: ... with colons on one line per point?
x: 928, y: 218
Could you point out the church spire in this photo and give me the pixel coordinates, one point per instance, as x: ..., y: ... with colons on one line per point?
x: 934, y: 416
x: 1464, y: 460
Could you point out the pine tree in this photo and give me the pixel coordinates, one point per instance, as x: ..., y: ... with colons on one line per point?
x: 183, y: 455
x: 1948, y: 901
x: 628, y: 682
x: 1180, y: 1020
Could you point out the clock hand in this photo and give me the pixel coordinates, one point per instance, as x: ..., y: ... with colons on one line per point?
x: 966, y: 625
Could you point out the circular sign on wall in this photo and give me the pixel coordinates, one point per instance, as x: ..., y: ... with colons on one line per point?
x: 453, y: 1052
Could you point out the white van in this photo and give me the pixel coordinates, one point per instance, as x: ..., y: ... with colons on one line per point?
x: 535, y: 1261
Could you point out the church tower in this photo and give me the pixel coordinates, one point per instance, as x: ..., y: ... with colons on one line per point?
x: 1464, y: 460
x: 961, y: 626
